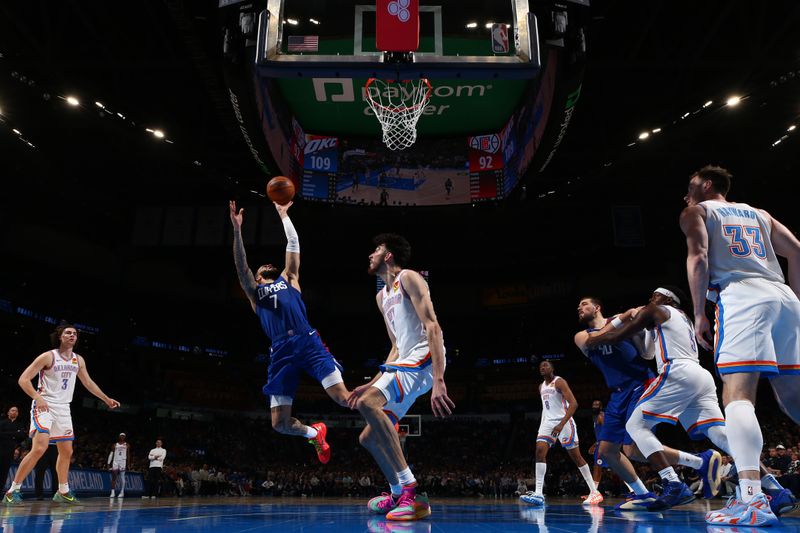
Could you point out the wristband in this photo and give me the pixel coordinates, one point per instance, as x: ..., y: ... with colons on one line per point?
x: 616, y: 322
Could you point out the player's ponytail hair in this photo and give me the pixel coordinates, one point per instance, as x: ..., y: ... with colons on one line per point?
x: 397, y: 245
x: 55, y: 336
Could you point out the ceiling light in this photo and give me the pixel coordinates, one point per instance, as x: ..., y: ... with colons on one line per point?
x: 100, y: 105
x: 656, y: 130
x: 158, y: 133
x: 489, y: 25
x: 15, y: 130
x: 71, y: 100
x: 313, y: 21
x: 644, y: 135
x: 733, y: 101
x: 472, y: 25
x: 791, y: 128
x: 293, y: 22
x: 708, y: 103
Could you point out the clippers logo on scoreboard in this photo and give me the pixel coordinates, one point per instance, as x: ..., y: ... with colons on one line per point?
x: 484, y: 153
x: 321, y: 153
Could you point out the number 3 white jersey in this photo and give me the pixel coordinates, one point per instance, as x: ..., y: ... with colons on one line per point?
x: 671, y: 340
x: 57, y: 381
x: 407, y: 328
x: 739, y: 244
x: 554, y: 406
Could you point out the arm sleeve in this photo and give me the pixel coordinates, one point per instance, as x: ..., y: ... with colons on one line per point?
x: 292, y: 240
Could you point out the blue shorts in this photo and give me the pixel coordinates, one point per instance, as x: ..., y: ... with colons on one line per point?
x: 617, y: 412
x: 303, y: 352
x: 597, y: 459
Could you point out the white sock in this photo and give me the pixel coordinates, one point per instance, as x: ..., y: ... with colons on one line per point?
x: 406, y: 478
x: 395, y: 489
x: 638, y: 487
x: 749, y: 489
x: 770, y: 483
x: 596, y: 485
x: 587, y: 477
x: 541, y: 470
x: 669, y: 475
x: 690, y: 460
x: 744, y: 435
x: 14, y: 487
x: 311, y: 432
x: 63, y: 488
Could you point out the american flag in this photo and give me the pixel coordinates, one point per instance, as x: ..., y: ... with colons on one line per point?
x: 303, y: 43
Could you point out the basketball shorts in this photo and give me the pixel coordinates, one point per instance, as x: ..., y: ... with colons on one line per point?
x: 619, y: 409
x: 402, y: 388
x: 597, y: 459
x: 304, y: 352
x: 56, y: 421
x: 119, y: 467
x: 684, y: 392
x: 757, y: 328
x: 568, y: 437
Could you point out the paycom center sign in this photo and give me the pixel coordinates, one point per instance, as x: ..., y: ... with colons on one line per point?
x: 456, y: 106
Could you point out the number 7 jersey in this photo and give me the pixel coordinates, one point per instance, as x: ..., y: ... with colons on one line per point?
x: 739, y: 244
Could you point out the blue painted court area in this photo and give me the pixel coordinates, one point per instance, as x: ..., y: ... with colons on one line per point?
x: 251, y: 515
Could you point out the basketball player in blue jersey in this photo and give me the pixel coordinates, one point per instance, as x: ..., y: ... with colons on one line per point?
x: 625, y: 373
x: 732, y: 260
x: 51, y: 420
x: 594, y: 449
x: 275, y: 297
x: 684, y: 392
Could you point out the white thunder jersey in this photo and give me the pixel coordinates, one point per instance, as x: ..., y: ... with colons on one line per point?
x: 57, y: 382
x: 739, y: 244
x: 672, y: 340
x: 554, y: 406
x: 407, y: 328
x: 120, y: 453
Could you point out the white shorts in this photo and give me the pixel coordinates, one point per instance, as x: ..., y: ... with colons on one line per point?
x: 56, y: 421
x: 568, y: 436
x: 757, y: 328
x: 402, y: 388
x: 118, y: 467
x: 684, y: 392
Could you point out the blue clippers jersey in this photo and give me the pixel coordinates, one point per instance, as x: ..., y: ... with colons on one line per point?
x: 620, y: 364
x: 597, y: 427
x: 281, y: 309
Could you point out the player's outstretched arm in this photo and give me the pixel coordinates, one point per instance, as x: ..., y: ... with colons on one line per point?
x: 563, y: 387
x: 246, y: 279
x: 92, y: 387
x: 786, y: 245
x: 624, y: 329
x: 41, y: 362
x: 693, y: 226
x: 292, y: 269
x: 417, y: 290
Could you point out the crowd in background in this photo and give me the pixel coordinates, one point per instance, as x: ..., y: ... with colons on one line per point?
x: 233, y: 456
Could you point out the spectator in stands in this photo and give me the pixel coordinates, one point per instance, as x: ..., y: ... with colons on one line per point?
x: 12, y: 433
x: 778, y: 463
x: 728, y: 476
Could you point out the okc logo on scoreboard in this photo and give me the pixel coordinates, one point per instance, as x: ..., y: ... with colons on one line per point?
x: 399, y: 9
x: 321, y: 153
x: 485, y: 143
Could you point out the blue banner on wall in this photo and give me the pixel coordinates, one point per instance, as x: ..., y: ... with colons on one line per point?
x: 83, y: 482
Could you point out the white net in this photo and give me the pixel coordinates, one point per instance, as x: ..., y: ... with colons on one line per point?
x: 398, y: 106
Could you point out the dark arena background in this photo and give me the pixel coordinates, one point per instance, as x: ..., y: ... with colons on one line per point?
x: 551, y: 162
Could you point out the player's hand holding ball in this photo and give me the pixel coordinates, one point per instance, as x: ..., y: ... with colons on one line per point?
x: 280, y: 190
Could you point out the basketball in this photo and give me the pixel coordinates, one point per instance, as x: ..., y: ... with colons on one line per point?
x: 280, y: 190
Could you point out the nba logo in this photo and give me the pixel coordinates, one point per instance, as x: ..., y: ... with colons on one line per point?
x: 500, y: 38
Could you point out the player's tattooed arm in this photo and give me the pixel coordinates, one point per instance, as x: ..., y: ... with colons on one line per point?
x: 246, y: 279
x: 786, y: 245
x: 645, y: 318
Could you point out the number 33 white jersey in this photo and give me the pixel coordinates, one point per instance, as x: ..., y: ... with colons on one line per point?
x: 739, y: 244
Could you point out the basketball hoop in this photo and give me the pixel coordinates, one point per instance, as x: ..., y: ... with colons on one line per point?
x: 398, y: 106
